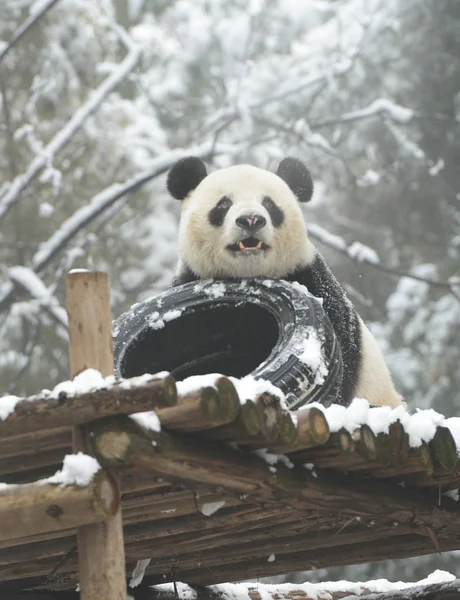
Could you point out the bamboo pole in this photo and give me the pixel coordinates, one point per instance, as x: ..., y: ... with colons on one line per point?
x: 101, y: 554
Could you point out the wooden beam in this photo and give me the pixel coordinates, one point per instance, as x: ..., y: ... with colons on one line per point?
x: 120, y: 442
x: 101, y: 554
x: 35, y: 413
x: 35, y: 508
x: 197, y: 573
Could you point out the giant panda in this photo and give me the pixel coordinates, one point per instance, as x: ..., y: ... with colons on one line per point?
x: 244, y: 221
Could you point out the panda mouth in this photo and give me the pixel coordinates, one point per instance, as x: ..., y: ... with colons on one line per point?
x: 249, y: 245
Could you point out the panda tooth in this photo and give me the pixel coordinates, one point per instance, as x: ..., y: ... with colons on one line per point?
x: 242, y: 246
x: 259, y: 245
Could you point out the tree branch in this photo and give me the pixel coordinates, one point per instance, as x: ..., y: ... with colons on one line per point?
x: 63, y: 137
x: 382, y: 107
x: 99, y: 203
x: 365, y: 255
x: 32, y: 20
x: 26, y: 279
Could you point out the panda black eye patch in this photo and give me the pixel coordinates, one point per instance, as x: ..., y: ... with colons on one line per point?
x: 216, y: 216
x: 275, y: 212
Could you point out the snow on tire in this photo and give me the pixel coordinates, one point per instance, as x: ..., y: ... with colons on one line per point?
x: 271, y: 329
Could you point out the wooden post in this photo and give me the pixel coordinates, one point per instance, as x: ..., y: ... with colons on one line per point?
x: 101, y: 554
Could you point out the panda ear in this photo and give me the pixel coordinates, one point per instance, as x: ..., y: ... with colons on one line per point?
x: 297, y: 176
x: 184, y: 176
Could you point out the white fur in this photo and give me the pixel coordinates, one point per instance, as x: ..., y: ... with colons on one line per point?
x: 204, y: 248
x: 374, y: 382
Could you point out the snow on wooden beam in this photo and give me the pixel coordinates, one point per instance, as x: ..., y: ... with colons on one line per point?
x: 34, y: 508
x: 35, y: 413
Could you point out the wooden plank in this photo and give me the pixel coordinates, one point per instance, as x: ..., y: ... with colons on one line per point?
x: 101, y: 555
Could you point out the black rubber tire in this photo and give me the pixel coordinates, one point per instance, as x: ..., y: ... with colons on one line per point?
x: 253, y: 326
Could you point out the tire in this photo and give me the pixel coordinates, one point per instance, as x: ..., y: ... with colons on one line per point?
x: 257, y: 326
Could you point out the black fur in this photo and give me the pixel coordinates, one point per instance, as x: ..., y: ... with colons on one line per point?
x: 320, y: 281
x: 184, y: 176
x: 275, y: 212
x: 216, y: 216
x: 298, y: 178
x: 185, y: 276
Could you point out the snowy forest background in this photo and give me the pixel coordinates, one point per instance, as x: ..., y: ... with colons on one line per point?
x: 97, y: 99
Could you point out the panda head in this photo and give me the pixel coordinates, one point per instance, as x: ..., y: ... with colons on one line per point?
x: 242, y: 221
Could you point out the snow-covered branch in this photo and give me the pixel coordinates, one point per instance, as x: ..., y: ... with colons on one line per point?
x: 37, y: 11
x: 101, y: 202
x: 363, y: 254
x: 63, y: 137
x: 378, y: 108
x: 26, y: 279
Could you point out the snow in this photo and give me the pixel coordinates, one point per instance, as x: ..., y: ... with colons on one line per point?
x: 362, y: 253
x: 87, y: 381
x: 248, y: 388
x: 45, y: 209
x: 209, y: 508
x: 147, y: 420
x: 453, y: 424
x: 346, y: 417
x: 327, y: 238
x: 399, y: 114
x: 420, y: 426
x: 454, y: 494
x: 316, y: 591
x: 184, y: 591
x: 139, y: 572
x: 77, y: 469
x: 437, y: 167
x: 155, y: 321
x: 141, y: 380
x: 272, y: 458
x: 65, y: 134
x: 7, y: 406
x: 369, y: 178
x: 29, y: 281
x: 216, y: 290
x: 170, y: 315
x: 311, y: 355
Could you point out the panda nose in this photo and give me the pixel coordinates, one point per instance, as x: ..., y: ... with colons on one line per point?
x: 251, y: 222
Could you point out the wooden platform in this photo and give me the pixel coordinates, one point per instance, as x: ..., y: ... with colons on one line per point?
x: 213, y: 486
x: 203, y: 504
